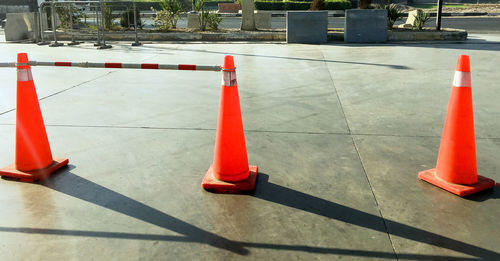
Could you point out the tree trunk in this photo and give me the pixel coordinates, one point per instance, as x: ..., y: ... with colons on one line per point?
x: 364, y: 4
x: 247, y: 16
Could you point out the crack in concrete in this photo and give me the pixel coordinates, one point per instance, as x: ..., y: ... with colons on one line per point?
x: 249, y: 131
x: 77, y: 85
x: 64, y: 90
x: 361, y: 160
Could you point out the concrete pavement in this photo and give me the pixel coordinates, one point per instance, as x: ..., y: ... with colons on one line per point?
x: 339, y: 133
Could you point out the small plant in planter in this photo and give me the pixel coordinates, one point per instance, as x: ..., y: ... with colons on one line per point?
x: 394, y: 13
x: 207, y: 19
x: 173, y: 9
x: 420, y: 19
x: 166, y: 18
x: 161, y: 20
x: 213, y: 20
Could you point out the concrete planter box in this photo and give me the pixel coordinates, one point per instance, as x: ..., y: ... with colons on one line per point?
x: 233, y: 35
x: 309, y: 27
x: 262, y: 19
x: 263, y: 35
x: 365, y: 26
x: 21, y: 26
x: 193, y: 21
x: 446, y: 34
x: 427, y: 35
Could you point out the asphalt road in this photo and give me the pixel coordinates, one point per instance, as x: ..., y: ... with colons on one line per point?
x: 471, y: 24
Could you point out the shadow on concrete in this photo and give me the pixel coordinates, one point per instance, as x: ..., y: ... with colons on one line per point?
x: 392, y: 66
x: 300, y: 248
x: 298, y: 200
x: 493, y: 193
x: 477, y: 44
x: 471, y: 44
x: 78, y: 187
x: 75, y: 186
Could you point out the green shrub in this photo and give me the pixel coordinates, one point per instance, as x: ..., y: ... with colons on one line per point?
x: 421, y: 19
x: 173, y: 9
x: 338, y: 5
x: 207, y: 18
x: 213, y: 20
x: 161, y: 20
x: 64, y: 12
x: 394, y: 13
x: 269, y: 5
x: 297, y: 5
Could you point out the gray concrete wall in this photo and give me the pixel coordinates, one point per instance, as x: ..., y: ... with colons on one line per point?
x: 365, y: 26
x: 306, y: 27
x: 21, y: 26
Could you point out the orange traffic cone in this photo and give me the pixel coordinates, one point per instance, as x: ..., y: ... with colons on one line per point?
x: 456, y: 169
x: 230, y: 172
x: 33, y: 157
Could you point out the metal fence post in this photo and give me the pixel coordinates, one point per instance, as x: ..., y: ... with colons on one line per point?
x: 42, y: 38
x: 53, y: 11
x: 103, y: 45
x: 136, y: 43
x: 98, y: 43
x: 72, y: 31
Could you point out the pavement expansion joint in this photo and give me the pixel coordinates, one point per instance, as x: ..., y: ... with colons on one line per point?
x: 77, y: 85
x: 361, y: 160
x: 374, y: 197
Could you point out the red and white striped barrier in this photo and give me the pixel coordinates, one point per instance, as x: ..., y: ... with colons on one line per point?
x: 154, y: 66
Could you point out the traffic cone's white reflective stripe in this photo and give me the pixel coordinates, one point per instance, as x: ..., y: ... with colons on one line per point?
x: 229, y: 78
x: 167, y: 66
x: 24, y: 75
x: 94, y: 65
x: 462, y: 79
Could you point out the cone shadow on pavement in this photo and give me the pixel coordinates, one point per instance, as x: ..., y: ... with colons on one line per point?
x: 298, y: 248
x: 301, y: 201
x: 81, y: 188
